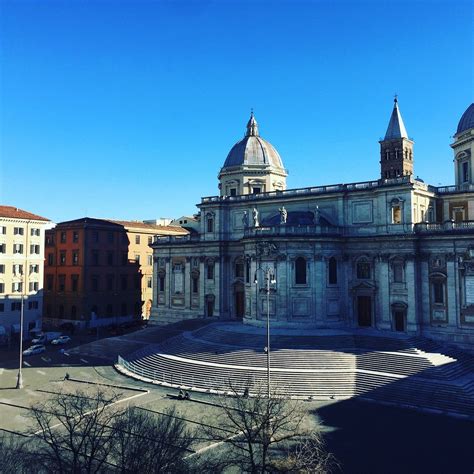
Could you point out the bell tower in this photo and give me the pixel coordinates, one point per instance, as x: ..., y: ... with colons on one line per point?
x: 396, y: 149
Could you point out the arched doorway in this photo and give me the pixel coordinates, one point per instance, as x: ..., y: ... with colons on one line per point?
x: 239, y: 300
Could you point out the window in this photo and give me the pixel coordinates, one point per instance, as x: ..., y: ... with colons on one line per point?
x: 95, y: 257
x: 34, y: 232
x: 110, y: 258
x: 210, y: 271
x: 149, y: 259
x: 2, y: 307
x: 33, y: 286
x: 95, y: 283
x: 16, y: 306
x: 17, y: 248
x: 2, y: 287
x: 18, y: 231
x: 17, y: 269
x: 438, y: 291
x: 195, y: 285
x: 247, y: 271
x: 62, y: 237
x: 3, y: 230
x: 137, y: 239
x: 2, y: 268
x: 239, y: 269
x: 397, y: 269
x: 34, y: 269
x: 49, y: 282
x: 396, y: 215
x: 332, y: 271
x: 95, y: 236
x: 74, y: 282
x: 75, y: 257
x: 110, y: 282
x: 49, y: 239
x: 50, y: 259
x: 3, y: 248
x: 110, y: 237
x: 150, y: 239
x: 465, y: 172
x: 257, y: 190
x: 210, y: 224
x: 61, y: 283
x: 34, y: 249
x: 33, y: 305
x: 17, y: 287
x: 149, y: 282
x: 363, y: 270
x: 300, y: 271
x: 75, y: 236
x: 161, y: 283
x: 137, y: 258
x: 62, y: 258
x: 233, y: 192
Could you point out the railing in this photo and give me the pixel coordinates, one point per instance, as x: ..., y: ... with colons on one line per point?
x: 314, y: 190
x: 459, y: 188
x: 447, y: 226
x: 165, y: 239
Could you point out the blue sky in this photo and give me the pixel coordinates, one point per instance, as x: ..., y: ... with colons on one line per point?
x: 128, y: 109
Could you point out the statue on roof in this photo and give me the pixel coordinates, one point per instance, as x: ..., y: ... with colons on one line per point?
x: 283, y: 215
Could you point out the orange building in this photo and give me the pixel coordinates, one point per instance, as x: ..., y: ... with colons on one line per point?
x: 98, y: 269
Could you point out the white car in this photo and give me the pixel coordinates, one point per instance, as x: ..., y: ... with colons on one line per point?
x: 36, y: 349
x: 61, y: 340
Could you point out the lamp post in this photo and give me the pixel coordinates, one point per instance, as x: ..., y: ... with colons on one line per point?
x: 269, y: 280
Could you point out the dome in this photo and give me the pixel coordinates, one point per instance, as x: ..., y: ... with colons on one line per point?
x: 253, y: 150
x: 467, y: 120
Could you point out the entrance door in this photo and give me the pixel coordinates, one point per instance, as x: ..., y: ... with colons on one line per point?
x: 210, y: 308
x: 239, y: 304
x: 364, y: 310
x: 399, y: 321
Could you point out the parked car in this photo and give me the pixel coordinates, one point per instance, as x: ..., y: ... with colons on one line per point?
x: 36, y: 349
x: 46, y: 337
x: 61, y: 340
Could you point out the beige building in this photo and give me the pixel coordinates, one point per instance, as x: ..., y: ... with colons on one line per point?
x: 140, y: 236
x: 21, y: 269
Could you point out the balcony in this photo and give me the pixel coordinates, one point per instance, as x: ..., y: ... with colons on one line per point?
x: 448, y: 226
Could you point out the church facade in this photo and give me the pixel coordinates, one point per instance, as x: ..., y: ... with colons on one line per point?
x: 394, y: 254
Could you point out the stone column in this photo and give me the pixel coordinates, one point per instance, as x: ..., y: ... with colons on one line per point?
x: 282, y: 288
x: 168, y: 281
x: 383, y: 308
x: 187, y: 283
x: 411, y: 282
x: 451, y: 292
x: 202, y: 285
x: 317, y: 286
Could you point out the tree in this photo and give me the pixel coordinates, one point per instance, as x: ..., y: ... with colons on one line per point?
x: 73, y: 432
x: 11, y: 453
x: 149, y: 442
x: 260, y: 434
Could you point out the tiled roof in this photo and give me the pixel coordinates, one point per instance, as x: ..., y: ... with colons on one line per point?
x: 15, y: 213
x: 164, y: 229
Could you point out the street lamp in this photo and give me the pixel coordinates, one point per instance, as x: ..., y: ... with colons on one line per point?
x: 19, y: 379
x: 269, y: 280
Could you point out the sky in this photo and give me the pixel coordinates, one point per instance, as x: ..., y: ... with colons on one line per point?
x: 127, y: 109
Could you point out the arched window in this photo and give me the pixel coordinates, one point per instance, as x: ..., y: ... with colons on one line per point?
x: 332, y: 271
x: 300, y: 271
x: 363, y: 269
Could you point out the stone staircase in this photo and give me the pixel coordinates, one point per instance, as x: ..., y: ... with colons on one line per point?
x: 401, y: 371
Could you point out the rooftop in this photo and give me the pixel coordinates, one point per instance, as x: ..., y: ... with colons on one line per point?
x: 16, y: 213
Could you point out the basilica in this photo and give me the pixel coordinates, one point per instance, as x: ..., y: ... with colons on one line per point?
x: 394, y: 254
